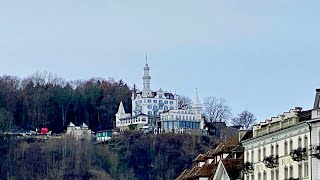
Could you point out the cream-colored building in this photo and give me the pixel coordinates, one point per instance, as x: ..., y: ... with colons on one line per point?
x: 285, y: 147
x: 315, y: 137
x: 279, y: 148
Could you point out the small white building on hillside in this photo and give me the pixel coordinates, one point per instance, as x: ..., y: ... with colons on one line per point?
x: 79, y: 132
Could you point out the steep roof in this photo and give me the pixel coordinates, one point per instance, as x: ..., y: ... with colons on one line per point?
x: 84, y: 126
x: 121, y: 109
x: 183, y: 176
x: 71, y: 125
x: 233, y: 167
x: 206, y: 171
x: 200, y: 158
x: 227, y: 146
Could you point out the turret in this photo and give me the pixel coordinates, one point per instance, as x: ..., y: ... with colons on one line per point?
x: 120, y: 114
x: 146, y: 78
x: 197, y: 107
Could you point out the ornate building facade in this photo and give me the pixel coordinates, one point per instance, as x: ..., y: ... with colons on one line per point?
x: 157, y: 110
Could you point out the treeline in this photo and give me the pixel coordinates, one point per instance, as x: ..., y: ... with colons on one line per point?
x: 129, y: 156
x: 46, y: 100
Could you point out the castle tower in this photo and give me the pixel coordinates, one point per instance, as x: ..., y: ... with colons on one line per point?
x: 197, y: 110
x: 121, y: 114
x: 146, y: 76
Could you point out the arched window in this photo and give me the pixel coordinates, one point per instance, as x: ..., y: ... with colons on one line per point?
x: 306, y: 141
x: 285, y: 148
x: 252, y: 156
x: 299, y: 142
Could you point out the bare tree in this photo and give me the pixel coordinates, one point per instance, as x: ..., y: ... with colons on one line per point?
x: 216, y: 109
x: 246, y: 119
x: 184, y: 102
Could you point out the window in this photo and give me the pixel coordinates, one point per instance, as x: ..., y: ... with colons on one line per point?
x: 306, y: 170
x: 259, y: 155
x: 285, y: 148
x: 155, y: 107
x: 149, y: 112
x: 166, y: 102
x: 300, y: 171
x: 252, y: 176
x: 149, y: 100
x: 149, y: 107
x: 155, y: 101
x: 277, y: 174
x: 166, y: 108
x: 252, y: 156
x: 272, y: 175
x: 171, y: 108
x: 299, y: 142
x: 259, y: 176
x: 171, y: 102
x: 264, y: 175
x: 247, y: 157
x: 291, y: 171
x: 291, y: 145
x: 286, y: 172
x: 160, y: 96
x: 264, y: 152
x: 271, y: 150
x: 306, y: 142
x: 277, y: 150
x: 160, y: 101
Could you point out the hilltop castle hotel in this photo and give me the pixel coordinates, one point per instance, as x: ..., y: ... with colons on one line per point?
x: 158, y: 110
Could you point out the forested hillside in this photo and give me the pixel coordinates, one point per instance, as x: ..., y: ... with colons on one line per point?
x: 46, y: 100
x: 129, y: 156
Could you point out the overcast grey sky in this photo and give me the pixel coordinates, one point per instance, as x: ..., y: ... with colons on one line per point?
x: 259, y: 55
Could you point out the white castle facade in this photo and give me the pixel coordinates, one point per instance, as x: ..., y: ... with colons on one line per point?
x: 157, y: 110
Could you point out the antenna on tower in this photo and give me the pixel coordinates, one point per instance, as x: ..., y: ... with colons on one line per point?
x: 146, y: 58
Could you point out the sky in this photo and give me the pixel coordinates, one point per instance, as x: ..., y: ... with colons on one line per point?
x: 261, y: 56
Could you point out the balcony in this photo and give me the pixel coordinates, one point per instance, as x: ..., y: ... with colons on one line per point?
x: 248, y: 168
x: 315, y: 151
x: 299, y: 154
x: 292, y: 179
x: 271, y: 161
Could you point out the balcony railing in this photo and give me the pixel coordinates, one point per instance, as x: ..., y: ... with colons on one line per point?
x: 271, y: 161
x: 292, y: 179
x: 315, y: 151
x: 299, y: 154
x: 248, y: 168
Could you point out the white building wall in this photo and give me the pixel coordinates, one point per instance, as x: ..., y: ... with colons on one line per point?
x: 315, y: 140
x: 280, y: 137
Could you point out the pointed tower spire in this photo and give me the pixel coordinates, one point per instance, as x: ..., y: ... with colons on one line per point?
x: 197, y: 100
x: 121, y: 109
x: 147, y: 59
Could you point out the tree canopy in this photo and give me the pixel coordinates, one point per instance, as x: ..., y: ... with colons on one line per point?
x: 46, y: 100
x: 245, y: 119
